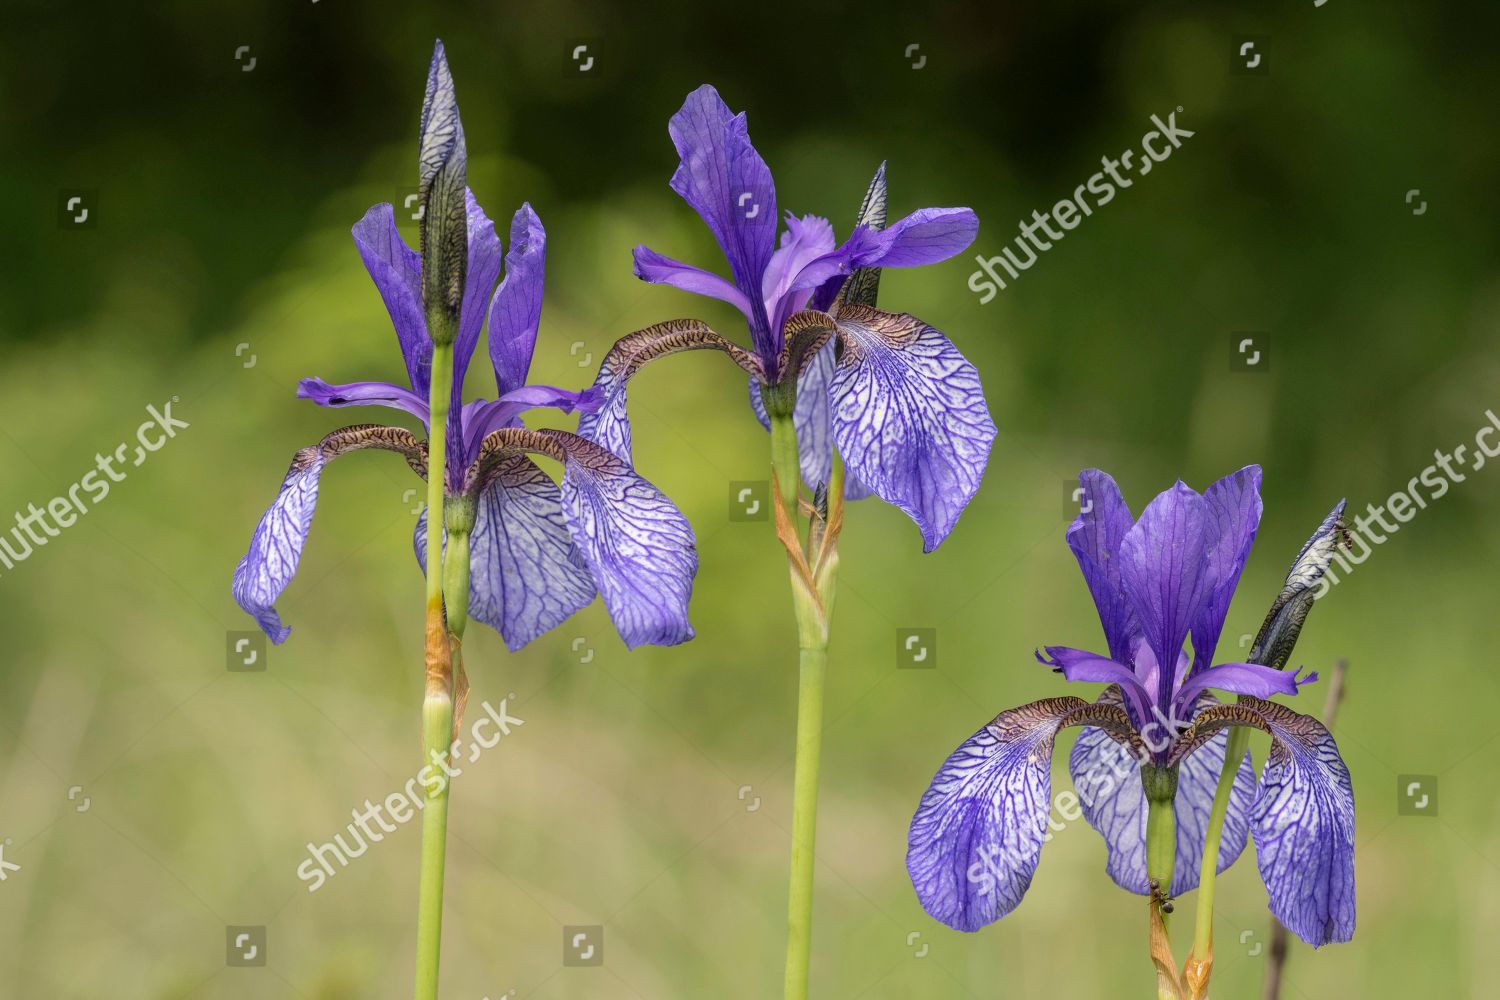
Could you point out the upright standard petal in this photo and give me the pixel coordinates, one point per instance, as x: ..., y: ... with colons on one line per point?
x: 1234, y: 507
x: 397, y: 272
x: 1302, y: 820
x: 978, y: 832
x: 527, y: 576
x: 1163, y: 566
x: 609, y: 425
x: 1095, y: 537
x: 516, y: 311
x: 909, y: 417
x: 724, y: 179
x: 1107, y: 778
x: 482, y: 270
x: 276, y: 545
x: 638, y: 548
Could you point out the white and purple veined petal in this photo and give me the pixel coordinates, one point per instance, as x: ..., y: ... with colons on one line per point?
x: 978, y: 832
x: 637, y: 546
x: 1302, y: 819
x: 526, y: 574
x: 725, y: 180
x: 1107, y: 778
x: 608, y: 423
x: 909, y: 417
x: 276, y: 545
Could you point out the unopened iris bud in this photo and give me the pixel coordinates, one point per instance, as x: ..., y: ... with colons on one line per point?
x: 443, y: 163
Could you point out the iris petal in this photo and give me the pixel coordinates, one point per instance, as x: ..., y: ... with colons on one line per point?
x: 516, y: 309
x: 1234, y: 507
x: 276, y: 545
x: 909, y: 417
x: 363, y: 394
x: 526, y: 573
x: 661, y: 270
x: 397, y: 272
x: 1095, y: 536
x: 1107, y: 779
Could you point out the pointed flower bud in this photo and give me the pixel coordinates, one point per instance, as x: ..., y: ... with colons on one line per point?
x: 442, y: 179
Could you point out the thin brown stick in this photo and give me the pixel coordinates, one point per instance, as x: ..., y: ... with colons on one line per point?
x: 1276, y: 960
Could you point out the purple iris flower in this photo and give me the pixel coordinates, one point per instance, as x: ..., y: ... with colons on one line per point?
x: 540, y: 550
x: 903, y: 406
x: 977, y: 835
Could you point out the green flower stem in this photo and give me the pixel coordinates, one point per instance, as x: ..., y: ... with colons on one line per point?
x: 812, y: 589
x: 1161, y: 859
x: 1203, y: 938
x: 437, y: 706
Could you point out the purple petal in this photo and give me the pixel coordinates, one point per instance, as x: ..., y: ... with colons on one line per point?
x: 1081, y: 665
x: 805, y: 240
x: 479, y: 282
x: 1107, y: 778
x: 657, y: 269
x: 978, y: 832
x: 363, y: 394
x: 1303, y: 822
x: 1095, y: 536
x: 397, y: 272
x: 1242, y: 678
x: 909, y: 417
x: 638, y: 547
x: 276, y: 546
x: 1234, y: 508
x: 724, y: 179
x: 480, y: 419
x: 516, y: 310
x: 926, y: 236
x: 609, y: 423
x: 526, y: 574
x: 1164, y: 569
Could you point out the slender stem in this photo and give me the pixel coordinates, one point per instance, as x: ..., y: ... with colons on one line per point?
x: 1234, y: 752
x: 786, y: 462
x: 814, y: 666
x: 437, y: 706
x: 1161, y: 861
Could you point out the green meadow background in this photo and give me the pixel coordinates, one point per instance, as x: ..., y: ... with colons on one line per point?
x: 649, y: 792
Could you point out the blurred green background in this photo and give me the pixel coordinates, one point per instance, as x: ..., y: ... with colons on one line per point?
x: 222, y: 198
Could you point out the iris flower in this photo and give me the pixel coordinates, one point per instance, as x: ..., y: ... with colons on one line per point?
x: 540, y: 550
x: 977, y: 835
x: 899, y: 401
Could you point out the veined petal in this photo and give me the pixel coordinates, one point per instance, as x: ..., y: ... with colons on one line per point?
x: 276, y: 546
x: 661, y: 270
x: 1107, y: 778
x: 909, y: 417
x: 609, y: 425
x: 1302, y: 820
x: 638, y: 548
x: 516, y: 309
x: 482, y: 418
x: 978, y: 832
x: 363, y: 394
x: 1242, y: 678
x: 1233, y: 505
x: 526, y: 575
x: 1081, y: 665
x: 1095, y: 536
x: 725, y: 180
x: 805, y: 240
x: 397, y: 272
x: 1163, y: 565
x: 481, y: 273
x: 926, y: 236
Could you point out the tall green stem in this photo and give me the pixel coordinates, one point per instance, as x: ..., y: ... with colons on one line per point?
x: 437, y: 706
x: 1161, y: 861
x: 812, y: 593
x: 1203, y: 937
